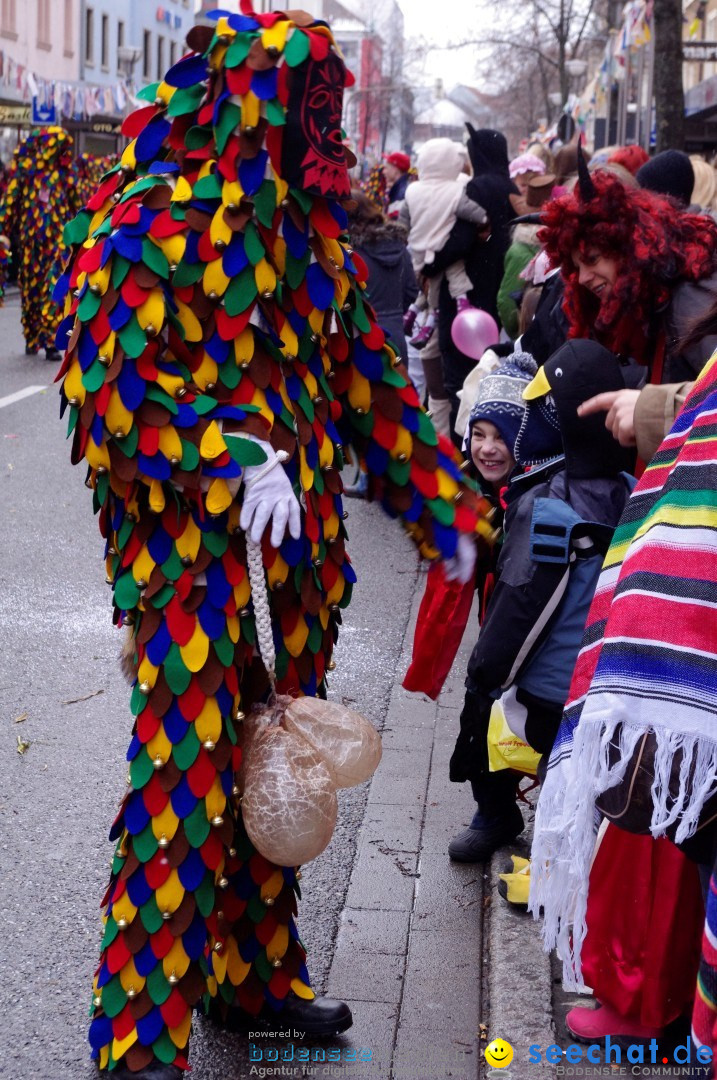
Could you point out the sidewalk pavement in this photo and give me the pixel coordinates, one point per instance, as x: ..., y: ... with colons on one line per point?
x: 433, y: 963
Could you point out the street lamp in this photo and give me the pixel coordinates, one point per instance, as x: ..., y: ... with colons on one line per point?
x: 576, y: 68
x: 555, y: 97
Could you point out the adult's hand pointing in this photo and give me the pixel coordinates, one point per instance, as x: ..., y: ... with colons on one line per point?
x: 620, y: 408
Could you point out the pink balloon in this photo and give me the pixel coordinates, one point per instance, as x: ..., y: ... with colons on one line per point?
x: 473, y: 331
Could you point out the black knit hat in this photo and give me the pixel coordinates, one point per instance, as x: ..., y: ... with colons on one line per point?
x: 669, y: 173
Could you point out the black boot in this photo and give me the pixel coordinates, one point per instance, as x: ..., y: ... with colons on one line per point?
x: 496, y: 822
x: 157, y: 1070
x: 53, y: 355
x: 29, y: 351
x: 319, y: 1018
x: 486, y: 834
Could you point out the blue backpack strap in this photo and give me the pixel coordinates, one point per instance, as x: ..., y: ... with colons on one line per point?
x: 551, y: 528
x: 559, y: 535
x: 556, y: 531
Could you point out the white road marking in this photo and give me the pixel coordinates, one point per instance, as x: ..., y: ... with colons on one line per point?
x: 20, y: 394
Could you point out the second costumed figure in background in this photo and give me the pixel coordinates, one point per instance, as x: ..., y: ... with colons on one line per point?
x: 40, y: 198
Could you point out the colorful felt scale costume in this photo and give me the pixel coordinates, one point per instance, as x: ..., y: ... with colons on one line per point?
x: 375, y: 188
x: 211, y: 291
x: 41, y: 197
x: 5, y: 241
x: 4, y: 261
x: 90, y: 169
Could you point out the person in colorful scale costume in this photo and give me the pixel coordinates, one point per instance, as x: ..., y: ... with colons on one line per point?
x: 376, y: 189
x: 215, y: 317
x: 4, y: 262
x: 90, y: 168
x: 40, y: 198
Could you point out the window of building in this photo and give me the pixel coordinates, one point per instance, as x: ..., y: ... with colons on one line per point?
x: 8, y: 26
x: 160, y: 56
x: 68, y: 43
x: 105, y: 43
x: 146, y: 58
x: 89, y: 36
x: 710, y: 66
x: 120, y: 34
x: 43, y: 24
x: 172, y: 53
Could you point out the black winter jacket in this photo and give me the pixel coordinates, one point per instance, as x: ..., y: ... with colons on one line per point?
x: 392, y: 283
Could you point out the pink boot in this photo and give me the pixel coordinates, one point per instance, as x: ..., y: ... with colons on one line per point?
x: 409, y: 320
x: 423, y: 336
x: 591, y: 1024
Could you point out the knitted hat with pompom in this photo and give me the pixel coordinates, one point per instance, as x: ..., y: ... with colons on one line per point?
x: 500, y: 397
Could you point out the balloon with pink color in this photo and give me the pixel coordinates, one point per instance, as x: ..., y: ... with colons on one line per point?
x: 473, y: 331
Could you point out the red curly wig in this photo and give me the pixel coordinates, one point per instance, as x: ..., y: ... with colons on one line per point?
x: 655, y: 244
x: 630, y: 157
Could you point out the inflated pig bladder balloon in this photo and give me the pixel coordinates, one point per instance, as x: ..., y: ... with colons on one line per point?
x: 349, y: 744
x: 289, y: 803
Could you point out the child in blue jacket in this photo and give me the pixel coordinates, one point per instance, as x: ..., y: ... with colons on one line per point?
x: 560, y: 515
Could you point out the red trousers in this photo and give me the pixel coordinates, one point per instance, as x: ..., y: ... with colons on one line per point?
x: 645, y: 918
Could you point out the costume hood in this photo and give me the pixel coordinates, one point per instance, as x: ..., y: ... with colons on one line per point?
x: 488, y: 151
x: 439, y: 159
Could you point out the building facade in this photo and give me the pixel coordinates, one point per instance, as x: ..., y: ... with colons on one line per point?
x: 700, y: 74
x: 124, y: 45
x: 132, y: 39
x: 40, y: 37
x: 159, y: 30
x: 39, y: 40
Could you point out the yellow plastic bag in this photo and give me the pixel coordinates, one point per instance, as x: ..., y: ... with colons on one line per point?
x: 506, y: 750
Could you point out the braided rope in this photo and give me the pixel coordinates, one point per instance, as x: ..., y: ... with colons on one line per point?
x: 262, y: 613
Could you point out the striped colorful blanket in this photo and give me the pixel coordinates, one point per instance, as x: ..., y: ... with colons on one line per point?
x: 648, y: 662
x: 704, y: 1014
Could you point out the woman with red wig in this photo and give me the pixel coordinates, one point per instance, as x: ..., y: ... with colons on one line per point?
x: 638, y: 273
x: 630, y: 157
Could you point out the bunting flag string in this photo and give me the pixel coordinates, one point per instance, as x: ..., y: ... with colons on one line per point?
x: 72, y: 100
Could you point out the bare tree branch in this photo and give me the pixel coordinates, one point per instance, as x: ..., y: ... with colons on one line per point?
x: 540, y: 36
x: 508, y: 43
x: 584, y: 26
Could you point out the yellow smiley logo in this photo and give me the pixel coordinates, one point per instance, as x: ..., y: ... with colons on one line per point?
x: 499, y: 1053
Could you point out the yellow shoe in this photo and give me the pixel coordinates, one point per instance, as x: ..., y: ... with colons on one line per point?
x: 514, y: 887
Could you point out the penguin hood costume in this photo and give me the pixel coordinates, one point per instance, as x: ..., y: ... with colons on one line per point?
x: 219, y: 344
x: 579, y: 370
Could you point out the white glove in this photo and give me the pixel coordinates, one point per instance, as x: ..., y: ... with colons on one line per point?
x: 462, y: 566
x: 268, y: 495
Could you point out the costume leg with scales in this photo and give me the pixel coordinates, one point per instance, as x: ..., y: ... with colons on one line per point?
x: 192, y: 907
x: 214, y: 315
